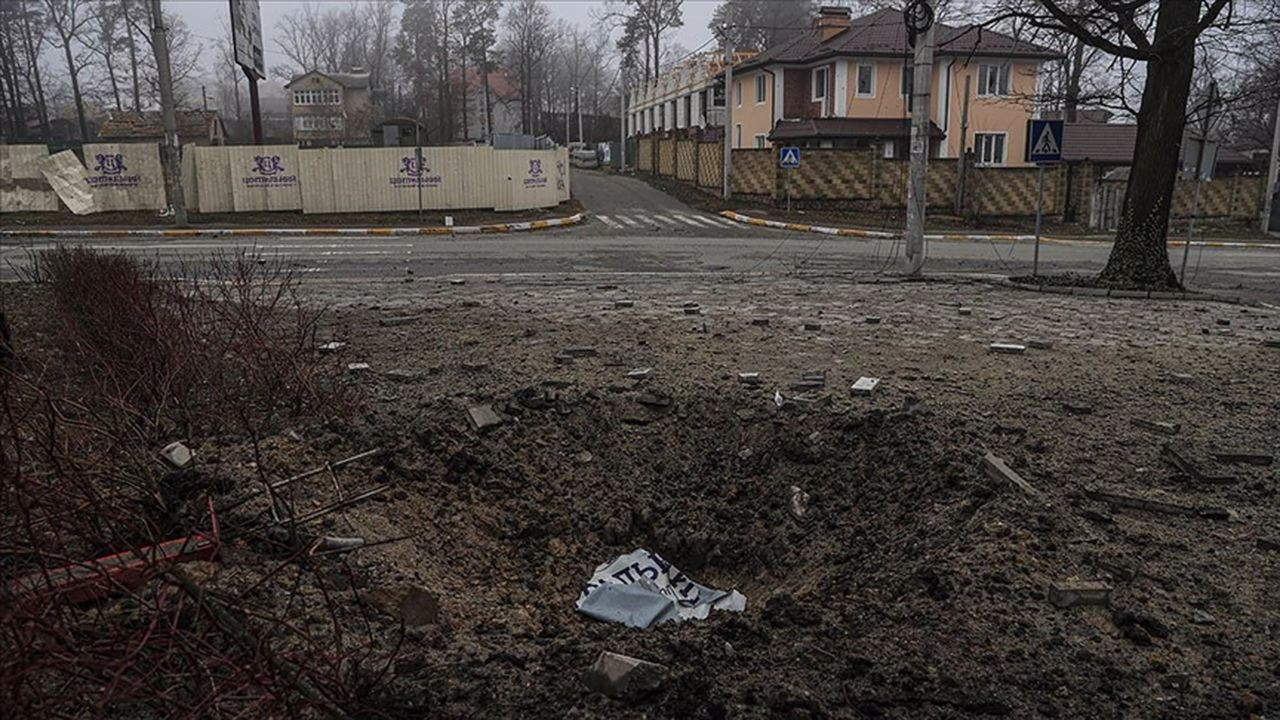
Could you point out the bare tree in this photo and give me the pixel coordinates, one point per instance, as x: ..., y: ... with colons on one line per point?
x: 32, y: 44
x: 67, y: 19
x: 1120, y: 28
x: 526, y: 45
x: 761, y: 24
x: 105, y: 40
x: 643, y: 23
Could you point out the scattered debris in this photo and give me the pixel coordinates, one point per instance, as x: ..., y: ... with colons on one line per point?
x: 1008, y: 348
x: 581, y: 352
x: 1158, y: 506
x: 996, y: 469
x: 1078, y: 408
x: 749, y: 378
x: 964, y: 310
x: 623, y: 676
x: 398, y: 321
x: 483, y: 417
x: 760, y: 322
x: 812, y: 326
x: 357, y: 367
x: 1268, y: 544
x: 563, y: 359
x: 1184, y: 378
x: 620, y: 304
x: 871, y: 320
x: 810, y: 381
x: 799, y: 502
x: 419, y: 607
x: 640, y: 589
x: 864, y: 385
x: 177, y: 455
x: 330, y: 544
x: 778, y: 399
x: 1039, y: 344
x: 654, y: 399
x: 1072, y: 593
x: 457, y: 281
x: 1167, y: 428
x: 1242, y: 457
x: 639, y: 373
x: 1224, y: 321
x: 1271, y: 342
x: 1139, y: 626
x: 1191, y: 469
x: 331, y: 346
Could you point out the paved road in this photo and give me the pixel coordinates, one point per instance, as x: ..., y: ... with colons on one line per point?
x: 636, y: 229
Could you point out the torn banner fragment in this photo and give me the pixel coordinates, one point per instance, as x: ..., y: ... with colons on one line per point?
x: 641, y: 589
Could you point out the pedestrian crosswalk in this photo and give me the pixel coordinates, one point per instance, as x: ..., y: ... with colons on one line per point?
x: 644, y: 220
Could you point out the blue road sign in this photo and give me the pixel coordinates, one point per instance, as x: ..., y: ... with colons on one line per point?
x: 1044, y: 141
x: 789, y: 157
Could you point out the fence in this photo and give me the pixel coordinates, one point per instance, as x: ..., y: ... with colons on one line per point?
x: 863, y: 179
x: 285, y: 178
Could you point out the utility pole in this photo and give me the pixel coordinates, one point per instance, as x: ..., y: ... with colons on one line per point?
x: 622, y: 144
x: 568, y: 111
x: 964, y: 146
x: 728, y: 117
x: 920, y: 18
x: 577, y: 100
x: 160, y: 44
x: 1273, y: 176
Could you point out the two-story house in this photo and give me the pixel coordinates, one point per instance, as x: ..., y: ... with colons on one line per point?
x: 847, y: 82
x: 330, y: 109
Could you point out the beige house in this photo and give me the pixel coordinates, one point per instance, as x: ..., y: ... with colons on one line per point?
x: 847, y: 83
x: 328, y: 109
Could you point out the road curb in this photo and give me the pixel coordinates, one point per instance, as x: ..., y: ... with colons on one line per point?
x: 490, y: 229
x: 966, y: 237
x: 1118, y: 294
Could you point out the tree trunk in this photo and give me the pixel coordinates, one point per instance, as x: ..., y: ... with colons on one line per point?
x: 115, y: 86
x: 466, y: 95
x: 488, y: 108
x: 1139, y: 255
x: 133, y: 60
x: 42, y: 109
x: 75, y: 89
x: 1073, y: 80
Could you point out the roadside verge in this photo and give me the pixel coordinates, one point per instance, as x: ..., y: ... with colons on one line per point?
x: 492, y: 228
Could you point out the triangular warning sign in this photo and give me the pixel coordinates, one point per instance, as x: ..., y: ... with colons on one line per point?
x: 789, y: 156
x: 1046, y: 144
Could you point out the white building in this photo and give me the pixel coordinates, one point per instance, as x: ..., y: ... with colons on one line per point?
x: 684, y: 97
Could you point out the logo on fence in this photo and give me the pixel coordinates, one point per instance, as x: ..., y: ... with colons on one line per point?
x: 536, y: 177
x: 267, y: 164
x: 269, y: 173
x: 109, y: 164
x: 415, y: 171
x: 110, y: 168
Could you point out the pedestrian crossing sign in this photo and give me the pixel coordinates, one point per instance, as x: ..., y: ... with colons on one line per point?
x: 1044, y: 141
x: 789, y: 157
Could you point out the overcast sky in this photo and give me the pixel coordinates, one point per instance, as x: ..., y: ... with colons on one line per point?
x: 206, y: 18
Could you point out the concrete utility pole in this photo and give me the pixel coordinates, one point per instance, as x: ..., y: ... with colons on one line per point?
x: 919, y: 135
x: 964, y: 146
x: 728, y: 117
x: 1273, y: 176
x: 160, y: 44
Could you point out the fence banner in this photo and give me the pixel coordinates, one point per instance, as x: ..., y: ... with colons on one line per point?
x: 397, y: 179
x: 22, y: 186
x: 264, y: 177
x: 125, y: 176
x: 530, y: 178
x: 70, y: 180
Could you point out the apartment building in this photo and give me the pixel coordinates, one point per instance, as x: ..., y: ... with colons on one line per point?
x: 688, y: 96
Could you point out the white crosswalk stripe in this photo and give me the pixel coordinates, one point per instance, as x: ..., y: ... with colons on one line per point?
x: 687, y: 220
x: 628, y: 221
x: 608, y: 221
x: 638, y: 220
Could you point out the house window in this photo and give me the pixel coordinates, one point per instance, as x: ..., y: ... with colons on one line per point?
x: 760, y: 142
x: 988, y: 148
x: 993, y: 79
x: 737, y: 135
x: 737, y: 93
x: 866, y: 80
x: 819, y: 83
x: 717, y: 96
x: 317, y: 97
x: 760, y: 89
x: 318, y: 122
x: 909, y: 85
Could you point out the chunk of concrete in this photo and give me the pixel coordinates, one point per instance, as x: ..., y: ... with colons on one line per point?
x: 177, y: 455
x: 581, y: 352
x: 483, y: 417
x: 812, y: 326
x: 864, y: 385
x: 1072, y: 593
x: 799, y: 504
x: 620, y: 304
x: 330, y: 347
x: 693, y: 311
x: 618, y: 675
x: 1167, y: 428
x: 1271, y: 343
x: 749, y: 378
x: 639, y: 373
x: 964, y: 310
x: 1007, y: 348
x: 1242, y: 457
x: 871, y: 320
x: 357, y: 367
x: 399, y: 320
x: 1039, y: 344
x: 996, y: 469
x: 760, y: 322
